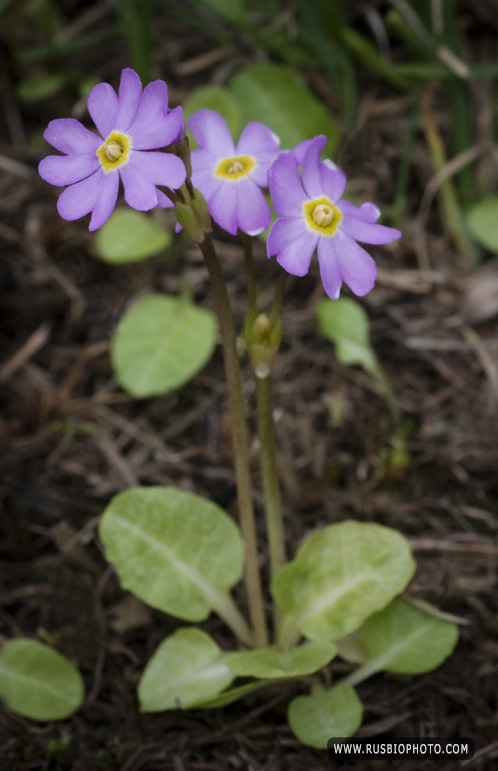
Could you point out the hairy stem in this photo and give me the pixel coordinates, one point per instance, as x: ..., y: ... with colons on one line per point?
x: 240, y: 442
x: 271, y: 489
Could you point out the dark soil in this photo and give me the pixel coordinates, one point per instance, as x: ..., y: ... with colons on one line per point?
x: 71, y: 439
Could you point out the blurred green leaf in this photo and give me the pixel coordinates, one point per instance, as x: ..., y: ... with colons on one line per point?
x: 188, y: 667
x: 407, y: 640
x: 345, y: 323
x: 174, y: 550
x: 40, y: 87
x: 161, y: 343
x: 58, y: 49
x: 216, y: 98
x: 273, y: 663
x: 129, y: 236
x: 136, y: 23
x: 37, y: 682
x: 234, y: 694
x: 340, y: 576
x: 277, y: 96
x: 231, y: 10
x: 482, y: 220
x: 316, y: 718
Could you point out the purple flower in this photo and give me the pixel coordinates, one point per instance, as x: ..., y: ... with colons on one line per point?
x: 230, y: 177
x: 130, y: 126
x: 311, y: 215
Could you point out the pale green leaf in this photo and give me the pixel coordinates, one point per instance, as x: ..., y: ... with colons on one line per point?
x: 219, y: 99
x: 352, y: 647
x: 482, y: 219
x: 188, y: 667
x: 174, y: 550
x: 278, y: 97
x: 160, y: 344
x: 41, y: 87
x: 234, y: 694
x: 340, y: 576
x: 270, y: 662
x: 37, y: 682
x: 345, y: 323
x: 129, y: 236
x: 407, y: 640
x: 323, y: 714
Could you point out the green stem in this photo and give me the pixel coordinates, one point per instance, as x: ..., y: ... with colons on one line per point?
x: 363, y: 672
x: 276, y: 310
x: 240, y: 442
x: 249, y: 262
x: 273, y: 512
x: 231, y: 615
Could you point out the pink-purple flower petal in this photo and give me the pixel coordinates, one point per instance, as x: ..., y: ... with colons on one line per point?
x: 368, y: 212
x: 69, y: 136
x: 103, y: 107
x: 139, y: 192
x: 203, y: 162
x: 367, y: 232
x: 293, y: 244
x: 204, y: 181
x: 260, y: 142
x: 153, y: 126
x: 286, y: 190
x: 106, y: 200
x: 300, y: 150
x: 358, y: 269
x: 311, y: 171
x: 253, y: 213
x: 333, y: 180
x: 330, y: 270
x: 160, y: 168
x: 63, y: 170
x: 223, y: 208
x: 130, y: 93
x: 211, y: 133
x: 79, y: 199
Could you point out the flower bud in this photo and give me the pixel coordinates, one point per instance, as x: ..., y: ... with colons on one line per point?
x: 263, y: 337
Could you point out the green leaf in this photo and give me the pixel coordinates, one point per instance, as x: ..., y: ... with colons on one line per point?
x: 216, y: 98
x: 340, y: 576
x: 37, y: 682
x: 41, y: 87
x: 277, y: 96
x: 231, y: 10
x: 352, y: 647
x: 188, y: 667
x: 407, y: 640
x: 228, y: 697
x: 317, y: 718
x: 345, y: 323
x: 482, y: 219
x: 174, y: 550
x: 270, y: 662
x: 129, y: 236
x: 160, y: 344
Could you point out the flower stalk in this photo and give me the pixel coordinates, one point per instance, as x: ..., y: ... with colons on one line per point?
x: 240, y: 443
x: 271, y: 488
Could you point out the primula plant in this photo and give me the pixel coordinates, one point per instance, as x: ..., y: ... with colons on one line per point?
x: 339, y: 594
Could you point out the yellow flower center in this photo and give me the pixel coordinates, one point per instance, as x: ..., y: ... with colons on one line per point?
x: 322, y: 216
x: 235, y: 168
x: 115, y: 151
